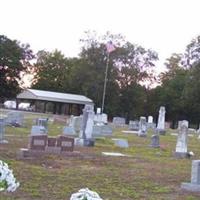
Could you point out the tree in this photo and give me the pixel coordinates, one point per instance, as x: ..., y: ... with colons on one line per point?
x: 192, y: 94
x: 51, y: 71
x: 192, y: 53
x: 128, y: 66
x: 171, y: 92
x: 14, y: 60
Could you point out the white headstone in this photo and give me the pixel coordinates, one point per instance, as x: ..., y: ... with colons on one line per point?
x: 98, y: 110
x: 150, y: 119
x: 104, y: 118
x: 181, y: 145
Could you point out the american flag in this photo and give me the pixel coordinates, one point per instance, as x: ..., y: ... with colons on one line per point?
x: 110, y: 47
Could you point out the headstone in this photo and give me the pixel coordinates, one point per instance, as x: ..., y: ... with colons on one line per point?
x: 98, y: 110
x: 38, y: 130
x: 65, y: 143
x: 181, y: 145
x: 104, y: 117
x: 121, y: 142
x: 42, y: 122
x: 77, y: 123
x: 2, y: 130
x: 69, y: 130
x: 155, y: 142
x: 142, y: 127
x: 118, y: 121
x: 38, y: 142
x: 51, y: 145
x: 150, y: 119
x: 150, y: 124
x: 85, y: 136
x: 15, y: 118
x: 103, y: 130
x: 133, y: 125
x: 194, y: 185
x: 100, y: 119
x: 161, y: 121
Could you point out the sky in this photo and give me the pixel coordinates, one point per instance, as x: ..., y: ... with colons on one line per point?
x: 165, y: 26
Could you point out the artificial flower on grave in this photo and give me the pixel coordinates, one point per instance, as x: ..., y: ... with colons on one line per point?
x: 85, y: 194
x: 7, y: 179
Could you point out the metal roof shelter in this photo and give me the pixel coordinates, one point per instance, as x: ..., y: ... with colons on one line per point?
x: 62, y: 103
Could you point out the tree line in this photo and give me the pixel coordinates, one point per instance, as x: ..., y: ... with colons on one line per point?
x: 131, y: 73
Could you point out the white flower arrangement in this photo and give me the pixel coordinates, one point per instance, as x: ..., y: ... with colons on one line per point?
x: 85, y: 194
x: 7, y: 179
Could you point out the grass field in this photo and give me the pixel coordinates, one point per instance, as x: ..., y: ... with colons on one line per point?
x: 147, y: 174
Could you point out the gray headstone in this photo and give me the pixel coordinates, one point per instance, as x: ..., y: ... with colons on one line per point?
x: 155, y: 142
x: 38, y: 130
x: 104, y: 130
x: 142, y: 127
x: 77, y: 123
x: 87, y: 126
x: 133, y: 125
x: 181, y: 145
x: 194, y: 186
x: 68, y: 130
x: 121, y: 143
x: 161, y: 121
x: 15, y: 118
x: 42, y: 122
x: 151, y: 126
x: 118, y: 121
x: 2, y: 130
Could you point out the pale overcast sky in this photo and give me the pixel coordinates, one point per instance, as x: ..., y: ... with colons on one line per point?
x: 165, y: 26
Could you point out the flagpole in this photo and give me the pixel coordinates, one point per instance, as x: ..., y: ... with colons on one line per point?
x: 105, y: 83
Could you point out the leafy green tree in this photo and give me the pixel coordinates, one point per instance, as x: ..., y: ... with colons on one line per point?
x: 171, y: 92
x: 51, y: 71
x: 14, y: 60
x: 192, y: 94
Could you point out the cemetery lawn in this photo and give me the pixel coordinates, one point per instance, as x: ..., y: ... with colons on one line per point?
x: 147, y: 174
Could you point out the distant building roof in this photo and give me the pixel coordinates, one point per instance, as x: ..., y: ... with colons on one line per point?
x: 54, y: 96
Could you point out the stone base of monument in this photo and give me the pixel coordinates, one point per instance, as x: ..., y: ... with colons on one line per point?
x: 84, y: 142
x: 161, y: 132
x: 3, y: 142
x: 181, y: 154
x: 190, y: 187
x: 89, y: 142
